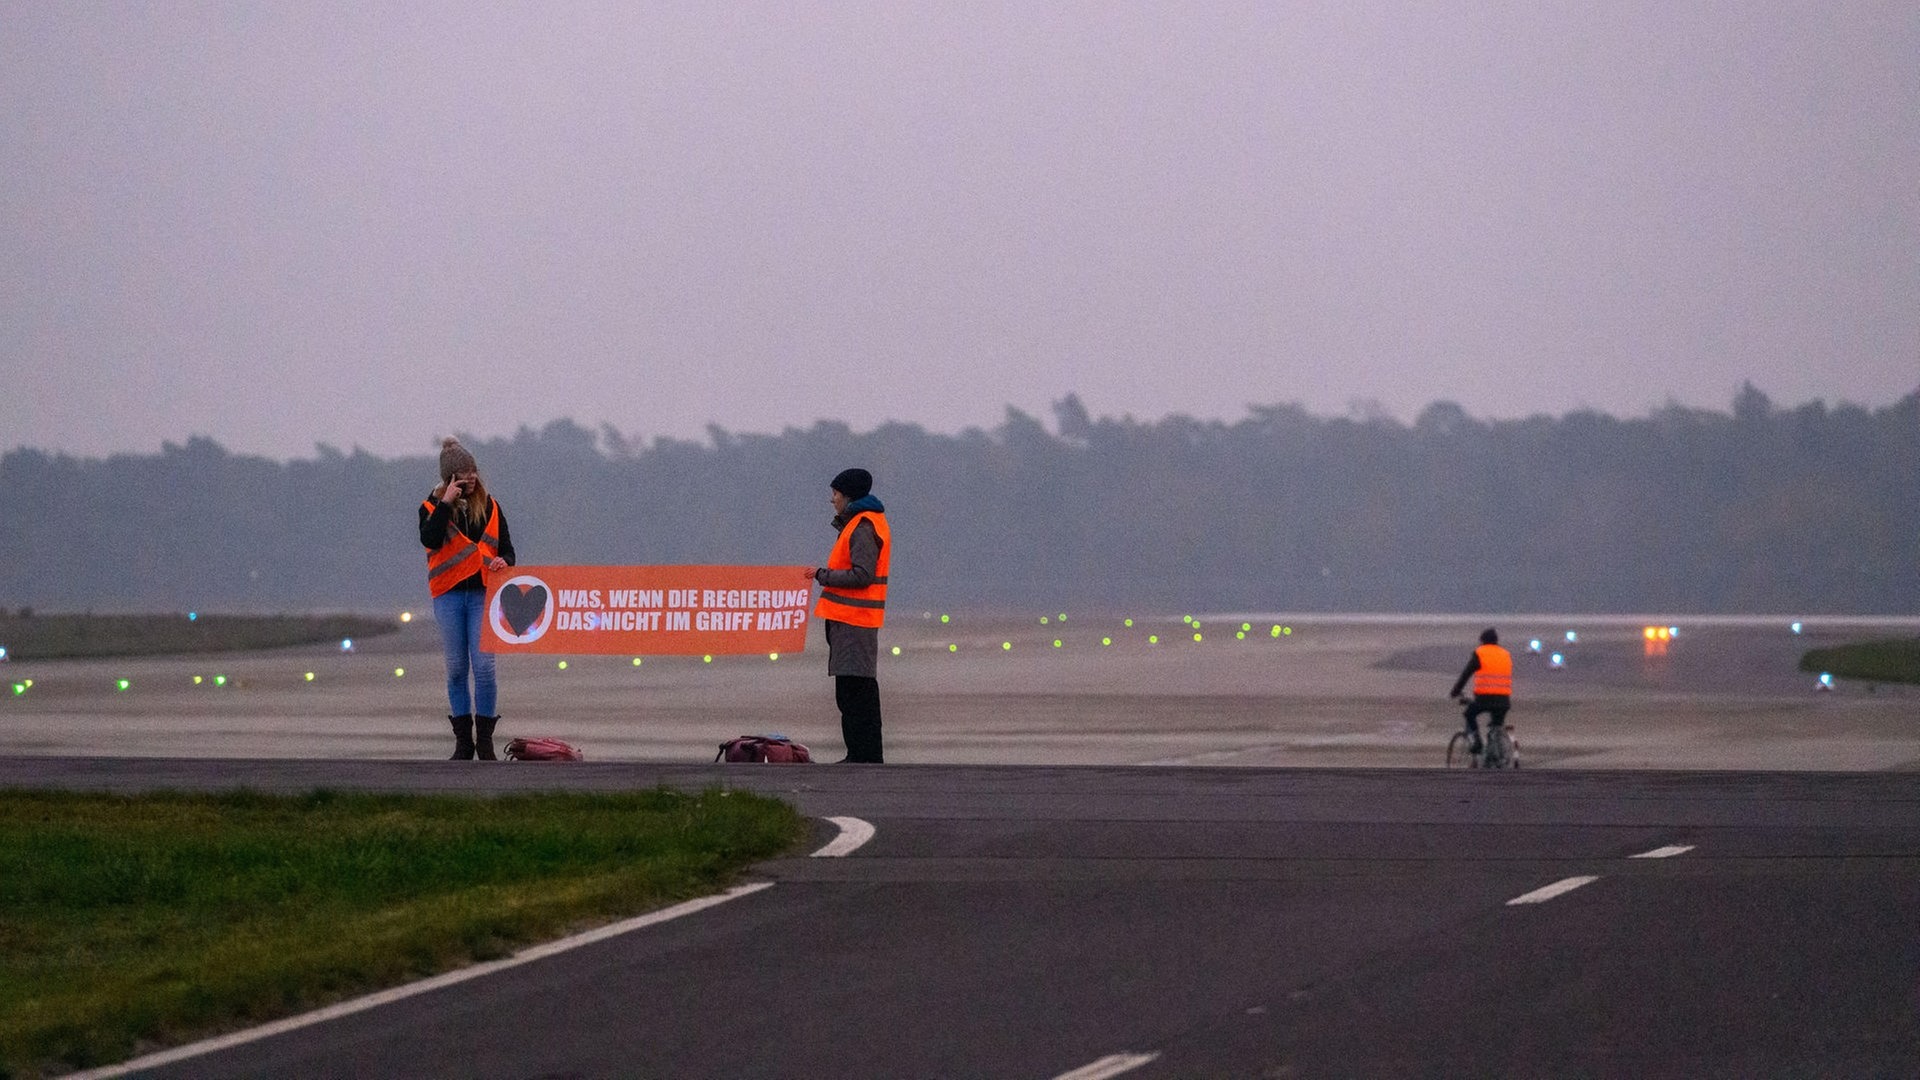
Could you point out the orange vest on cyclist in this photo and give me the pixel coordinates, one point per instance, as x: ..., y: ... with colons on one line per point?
x: 1496, y: 671
x: 459, y: 557
x: 857, y: 607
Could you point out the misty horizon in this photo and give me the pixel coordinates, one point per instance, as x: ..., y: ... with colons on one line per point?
x: 610, y: 437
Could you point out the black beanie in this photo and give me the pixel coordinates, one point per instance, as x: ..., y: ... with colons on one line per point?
x: 1489, y: 637
x: 853, y: 483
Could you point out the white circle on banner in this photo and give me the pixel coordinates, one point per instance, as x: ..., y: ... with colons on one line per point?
x: 522, y: 610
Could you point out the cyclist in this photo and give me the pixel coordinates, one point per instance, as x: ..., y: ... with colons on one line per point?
x: 1491, y: 669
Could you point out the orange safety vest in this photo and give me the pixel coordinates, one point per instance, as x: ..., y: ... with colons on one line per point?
x: 858, y: 607
x: 1496, y: 671
x: 459, y: 558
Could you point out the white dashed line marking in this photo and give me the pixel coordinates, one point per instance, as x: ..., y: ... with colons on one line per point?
x: 853, y: 833
x: 385, y: 997
x: 1548, y: 892
x: 1111, y: 1065
x: 1667, y: 852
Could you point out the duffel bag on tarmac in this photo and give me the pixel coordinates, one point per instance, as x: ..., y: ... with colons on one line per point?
x: 763, y: 750
x: 542, y: 748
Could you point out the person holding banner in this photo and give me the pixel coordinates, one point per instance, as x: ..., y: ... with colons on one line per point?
x: 465, y: 534
x: 853, y: 603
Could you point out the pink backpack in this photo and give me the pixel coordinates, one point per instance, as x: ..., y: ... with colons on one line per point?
x: 542, y: 748
x: 764, y: 750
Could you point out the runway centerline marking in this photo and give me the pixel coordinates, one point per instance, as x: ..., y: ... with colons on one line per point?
x: 1667, y: 852
x: 853, y: 833
x: 397, y: 993
x: 1548, y: 892
x: 1111, y: 1065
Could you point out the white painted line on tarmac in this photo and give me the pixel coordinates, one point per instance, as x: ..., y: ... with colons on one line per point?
x: 853, y: 833
x: 397, y: 993
x: 1111, y: 1065
x: 1667, y: 852
x: 1548, y: 892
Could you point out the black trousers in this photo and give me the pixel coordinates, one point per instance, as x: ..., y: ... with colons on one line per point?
x: 1494, y: 705
x: 859, y: 701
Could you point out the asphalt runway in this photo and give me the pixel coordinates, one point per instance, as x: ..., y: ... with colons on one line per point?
x: 1034, y: 921
x: 1291, y: 886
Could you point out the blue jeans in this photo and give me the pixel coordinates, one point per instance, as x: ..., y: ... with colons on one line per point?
x: 459, y: 613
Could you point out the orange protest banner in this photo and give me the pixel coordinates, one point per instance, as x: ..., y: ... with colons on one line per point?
x: 647, y: 610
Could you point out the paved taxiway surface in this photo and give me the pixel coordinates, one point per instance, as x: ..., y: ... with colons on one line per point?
x: 1030, y: 921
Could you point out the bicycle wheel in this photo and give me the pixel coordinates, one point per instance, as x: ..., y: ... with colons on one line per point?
x: 1458, y: 755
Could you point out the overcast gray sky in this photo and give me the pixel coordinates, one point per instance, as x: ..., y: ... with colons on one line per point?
x: 370, y: 224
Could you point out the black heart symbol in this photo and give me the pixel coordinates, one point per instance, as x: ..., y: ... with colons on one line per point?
x: 523, y: 605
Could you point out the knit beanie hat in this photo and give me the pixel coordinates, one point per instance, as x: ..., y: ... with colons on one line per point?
x: 853, y: 483
x: 455, y: 458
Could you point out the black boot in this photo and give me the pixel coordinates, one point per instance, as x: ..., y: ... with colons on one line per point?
x: 483, y: 736
x: 462, y: 737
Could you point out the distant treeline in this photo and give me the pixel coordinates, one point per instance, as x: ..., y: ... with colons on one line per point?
x: 1761, y: 509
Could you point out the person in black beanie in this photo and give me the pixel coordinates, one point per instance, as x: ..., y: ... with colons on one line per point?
x: 853, y: 603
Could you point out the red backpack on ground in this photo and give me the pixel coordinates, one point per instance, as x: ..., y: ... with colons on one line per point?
x: 542, y: 748
x: 764, y: 750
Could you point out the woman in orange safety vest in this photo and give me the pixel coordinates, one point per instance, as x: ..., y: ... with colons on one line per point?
x: 852, y: 605
x: 465, y: 534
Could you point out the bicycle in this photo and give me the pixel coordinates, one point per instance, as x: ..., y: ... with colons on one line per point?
x: 1499, y: 750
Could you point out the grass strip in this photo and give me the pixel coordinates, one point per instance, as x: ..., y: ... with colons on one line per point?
x: 1896, y: 660
x: 133, y: 922
x: 79, y: 637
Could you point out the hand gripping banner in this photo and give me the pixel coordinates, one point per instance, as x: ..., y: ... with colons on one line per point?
x: 647, y: 610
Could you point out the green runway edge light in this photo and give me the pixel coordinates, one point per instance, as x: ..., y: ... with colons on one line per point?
x: 953, y: 648
x: 123, y: 684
